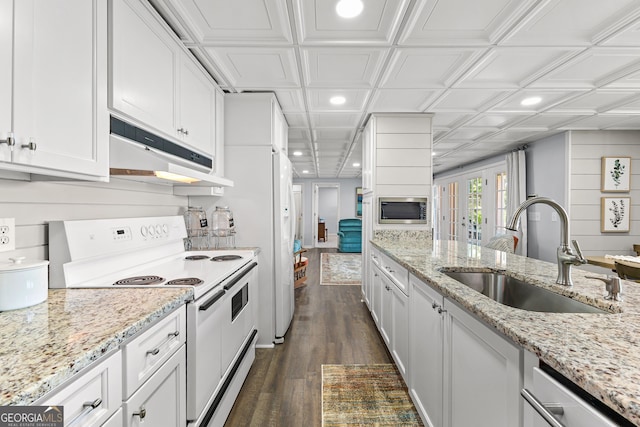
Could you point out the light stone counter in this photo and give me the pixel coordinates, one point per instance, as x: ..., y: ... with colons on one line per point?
x: 44, y: 345
x: 598, y: 352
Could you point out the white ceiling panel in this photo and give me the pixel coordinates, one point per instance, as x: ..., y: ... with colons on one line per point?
x: 512, y: 67
x: 468, y: 62
x: 571, y: 22
x: 335, y: 120
x: 428, y: 68
x: 257, y: 67
x: 331, y: 67
x: 461, y: 21
x: 402, y: 100
x: 593, y: 68
x: 291, y: 100
x: 297, y: 120
x: 246, y: 21
x: 319, y: 100
x: 319, y: 23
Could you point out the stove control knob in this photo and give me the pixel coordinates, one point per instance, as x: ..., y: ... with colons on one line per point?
x: 165, y: 229
x: 152, y: 231
x: 158, y: 229
x: 143, y: 231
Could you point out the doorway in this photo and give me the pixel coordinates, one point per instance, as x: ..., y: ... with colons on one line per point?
x: 297, y: 202
x: 326, y: 214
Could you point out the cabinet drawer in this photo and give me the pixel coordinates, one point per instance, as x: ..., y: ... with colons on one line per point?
x: 396, y: 272
x: 101, y: 385
x: 161, y: 401
x: 144, y: 354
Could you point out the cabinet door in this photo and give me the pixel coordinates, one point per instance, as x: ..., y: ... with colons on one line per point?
x: 143, y: 66
x: 386, y: 315
x: 219, y: 135
x: 426, y: 332
x: 115, y: 420
x: 196, y: 125
x: 376, y: 293
x: 6, y: 51
x: 161, y: 401
x: 60, y: 120
x: 400, y: 329
x: 367, y: 232
x: 483, y: 373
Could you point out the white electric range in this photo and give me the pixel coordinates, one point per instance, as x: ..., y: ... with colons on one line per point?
x: 149, y: 252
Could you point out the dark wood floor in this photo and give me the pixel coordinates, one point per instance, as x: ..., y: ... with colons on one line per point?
x: 331, y: 325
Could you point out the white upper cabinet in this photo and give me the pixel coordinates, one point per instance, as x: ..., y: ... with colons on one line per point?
x: 154, y: 81
x: 56, y: 106
x: 6, y: 51
x: 196, y: 125
x: 143, y: 66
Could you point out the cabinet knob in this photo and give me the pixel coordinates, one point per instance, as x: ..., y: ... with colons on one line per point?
x: 142, y: 413
x: 441, y: 310
x: 10, y: 141
x: 31, y: 145
x: 154, y: 351
x: 434, y: 305
x: 174, y: 334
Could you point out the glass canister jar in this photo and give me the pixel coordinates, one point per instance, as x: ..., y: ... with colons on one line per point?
x: 197, y: 228
x: 222, y: 222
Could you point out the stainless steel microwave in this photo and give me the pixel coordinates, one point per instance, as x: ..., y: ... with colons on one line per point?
x: 402, y: 210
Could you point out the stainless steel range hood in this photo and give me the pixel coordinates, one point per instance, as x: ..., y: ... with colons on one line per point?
x: 138, y: 155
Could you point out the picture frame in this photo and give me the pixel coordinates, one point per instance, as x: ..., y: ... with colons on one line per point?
x: 359, y: 202
x: 616, y: 174
x: 615, y: 214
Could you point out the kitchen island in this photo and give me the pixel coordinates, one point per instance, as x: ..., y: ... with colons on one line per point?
x: 598, y: 352
x: 44, y: 346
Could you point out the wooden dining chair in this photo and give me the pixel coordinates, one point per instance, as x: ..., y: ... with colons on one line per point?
x: 628, y: 271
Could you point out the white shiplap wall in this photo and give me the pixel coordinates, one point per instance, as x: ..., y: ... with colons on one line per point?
x: 34, y: 204
x: 587, y: 148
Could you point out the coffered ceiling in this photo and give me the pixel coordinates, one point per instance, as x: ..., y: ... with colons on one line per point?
x: 468, y: 62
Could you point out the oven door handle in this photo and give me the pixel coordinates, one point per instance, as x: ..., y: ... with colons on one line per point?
x: 207, y: 304
x: 232, y: 283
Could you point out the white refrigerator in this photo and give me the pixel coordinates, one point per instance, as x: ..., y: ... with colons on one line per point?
x: 263, y: 211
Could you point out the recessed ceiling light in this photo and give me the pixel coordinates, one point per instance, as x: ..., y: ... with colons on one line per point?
x: 337, y: 100
x: 533, y: 100
x: 297, y: 153
x: 349, y: 8
x: 305, y: 171
x: 355, y: 165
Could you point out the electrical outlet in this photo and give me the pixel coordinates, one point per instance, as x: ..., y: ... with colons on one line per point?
x: 7, y: 234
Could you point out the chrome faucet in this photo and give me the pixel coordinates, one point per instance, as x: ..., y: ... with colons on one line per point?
x: 566, y: 257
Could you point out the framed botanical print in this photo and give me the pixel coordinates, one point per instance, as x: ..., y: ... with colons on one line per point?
x: 616, y: 174
x: 615, y: 214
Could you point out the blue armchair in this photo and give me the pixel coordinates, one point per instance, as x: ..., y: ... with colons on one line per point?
x: 350, y: 235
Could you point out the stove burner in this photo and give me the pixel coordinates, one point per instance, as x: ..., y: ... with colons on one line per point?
x: 225, y: 258
x: 196, y: 257
x: 140, y: 281
x: 186, y: 281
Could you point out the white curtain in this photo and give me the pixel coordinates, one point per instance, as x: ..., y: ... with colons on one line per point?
x: 517, y: 193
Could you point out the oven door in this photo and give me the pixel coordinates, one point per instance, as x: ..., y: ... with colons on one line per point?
x: 205, y: 319
x: 239, y: 321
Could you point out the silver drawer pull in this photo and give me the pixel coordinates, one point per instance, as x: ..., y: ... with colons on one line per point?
x: 546, y: 411
x: 10, y: 141
x: 87, y: 407
x: 142, y: 413
x: 154, y: 351
x: 173, y: 334
x: 31, y: 146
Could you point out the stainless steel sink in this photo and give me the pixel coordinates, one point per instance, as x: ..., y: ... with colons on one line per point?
x: 514, y: 292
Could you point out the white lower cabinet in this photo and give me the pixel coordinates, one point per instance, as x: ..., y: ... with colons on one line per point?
x: 376, y: 292
x: 483, y: 376
x: 115, y: 420
x: 93, y: 397
x: 461, y: 372
x: 161, y: 401
x: 426, y: 337
x: 400, y: 329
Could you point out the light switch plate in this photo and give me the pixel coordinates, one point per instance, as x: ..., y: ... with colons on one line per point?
x: 7, y: 234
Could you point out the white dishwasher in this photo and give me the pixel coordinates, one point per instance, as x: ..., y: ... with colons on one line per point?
x: 554, y: 404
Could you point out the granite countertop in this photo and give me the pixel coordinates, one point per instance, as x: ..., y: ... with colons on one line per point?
x: 44, y: 345
x: 598, y: 352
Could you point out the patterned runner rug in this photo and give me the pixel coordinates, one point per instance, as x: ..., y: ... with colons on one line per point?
x: 340, y: 269
x: 365, y: 395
